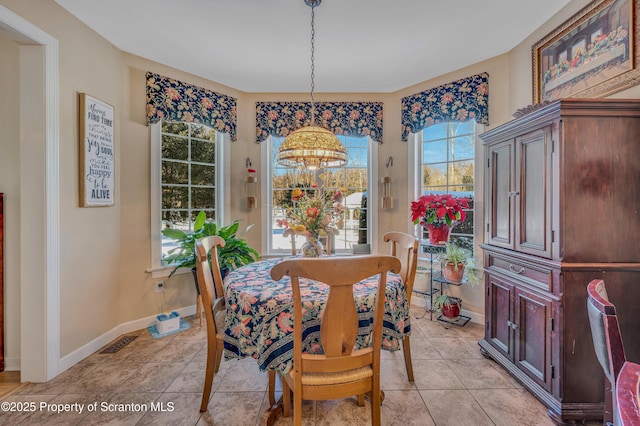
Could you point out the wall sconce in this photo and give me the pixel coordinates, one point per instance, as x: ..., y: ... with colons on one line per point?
x: 250, y: 187
x: 387, y: 199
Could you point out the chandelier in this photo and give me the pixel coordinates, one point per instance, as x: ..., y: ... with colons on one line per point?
x: 312, y: 147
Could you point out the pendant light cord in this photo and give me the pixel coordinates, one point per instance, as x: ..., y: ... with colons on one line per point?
x: 313, y: 49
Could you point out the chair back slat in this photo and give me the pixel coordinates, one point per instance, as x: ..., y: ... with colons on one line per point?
x: 405, y: 248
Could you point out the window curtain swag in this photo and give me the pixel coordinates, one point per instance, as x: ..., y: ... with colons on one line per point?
x: 459, y: 100
x: 173, y: 100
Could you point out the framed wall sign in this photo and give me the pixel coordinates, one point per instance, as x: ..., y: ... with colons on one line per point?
x: 97, y: 167
x: 593, y: 54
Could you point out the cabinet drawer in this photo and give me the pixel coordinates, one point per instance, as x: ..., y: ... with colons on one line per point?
x: 532, y: 274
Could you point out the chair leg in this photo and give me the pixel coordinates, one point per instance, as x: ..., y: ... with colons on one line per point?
x: 218, y: 356
x: 376, y: 401
x: 361, y: 400
x: 286, y: 397
x: 199, y: 308
x: 208, y: 377
x: 297, y: 408
x: 406, y: 349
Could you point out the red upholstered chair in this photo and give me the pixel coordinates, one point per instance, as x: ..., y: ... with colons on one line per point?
x: 628, y: 395
x: 607, y: 341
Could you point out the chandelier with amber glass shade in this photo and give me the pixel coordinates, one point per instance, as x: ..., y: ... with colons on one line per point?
x: 312, y: 147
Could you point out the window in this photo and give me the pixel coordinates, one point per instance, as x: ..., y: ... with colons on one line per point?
x: 445, y: 155
x: 355, y: 177
x: 186, y: 178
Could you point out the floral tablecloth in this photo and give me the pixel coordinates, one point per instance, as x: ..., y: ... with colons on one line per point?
x: 259, y: 321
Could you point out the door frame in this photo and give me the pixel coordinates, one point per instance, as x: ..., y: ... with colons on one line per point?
x: 39, y: 299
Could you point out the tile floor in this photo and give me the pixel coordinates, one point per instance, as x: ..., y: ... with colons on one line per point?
x: 454, y: 385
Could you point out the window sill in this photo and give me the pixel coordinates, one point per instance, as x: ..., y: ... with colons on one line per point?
x: 164, y: 271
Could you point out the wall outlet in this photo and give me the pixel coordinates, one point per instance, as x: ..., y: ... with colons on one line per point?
x: 159, y: 286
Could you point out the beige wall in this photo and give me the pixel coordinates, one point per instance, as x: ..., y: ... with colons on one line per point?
x: 89, y: 244
x: 10, y: 186
x: 106, y: 251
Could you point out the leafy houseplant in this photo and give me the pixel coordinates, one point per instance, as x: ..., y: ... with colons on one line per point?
x: 235, y: 253
x: 455, y: 260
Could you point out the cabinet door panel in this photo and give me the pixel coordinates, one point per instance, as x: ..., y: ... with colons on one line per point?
x: 533, y: 209
x: 500, y: 231
x: 498, y: 307
x: 533, y: 337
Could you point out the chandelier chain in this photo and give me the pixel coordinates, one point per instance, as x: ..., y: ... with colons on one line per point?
x: 313, y: 49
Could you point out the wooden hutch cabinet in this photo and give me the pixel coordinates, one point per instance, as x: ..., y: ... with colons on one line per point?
x: 562, y: 208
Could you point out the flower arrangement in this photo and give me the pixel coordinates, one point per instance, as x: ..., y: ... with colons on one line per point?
x: 438, y: 210
x: 314, y: 213
x: 438, y: 213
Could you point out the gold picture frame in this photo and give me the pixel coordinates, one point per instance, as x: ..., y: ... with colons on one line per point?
x: 593, y: 54
x: 97, y: 153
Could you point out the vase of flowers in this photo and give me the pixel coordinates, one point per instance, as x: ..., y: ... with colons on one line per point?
x: 439, y: 213
x: 315, y: 213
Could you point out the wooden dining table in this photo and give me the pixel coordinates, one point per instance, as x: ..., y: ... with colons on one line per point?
x: 259, y: 321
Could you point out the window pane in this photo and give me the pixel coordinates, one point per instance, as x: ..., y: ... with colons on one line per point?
x: 175, y: 128
x: 462, y: 148
x: 202, y: 174
x: 209, y: 214
x: 437, y: 131
x: 435, y: 152
x: 461, y: 172
x: 202, y: 198
x: 175, y: 148
x: 175, y: 218
x: 175, y: 197
x: 202, y: 132
x: 434, y: 174
x: 357, y: 157
x: 174, y: 172
x: 203, y: 152
x: 463, y: 128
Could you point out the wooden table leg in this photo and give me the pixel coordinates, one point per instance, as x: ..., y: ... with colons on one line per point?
x: 275, y: 409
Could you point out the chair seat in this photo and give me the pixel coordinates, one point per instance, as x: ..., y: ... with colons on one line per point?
x: 341, y: 377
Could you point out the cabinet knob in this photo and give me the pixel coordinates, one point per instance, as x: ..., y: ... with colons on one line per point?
x: 516, y: 271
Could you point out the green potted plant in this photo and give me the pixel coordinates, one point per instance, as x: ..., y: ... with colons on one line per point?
x: 455, y: 261
x: 235, y: 253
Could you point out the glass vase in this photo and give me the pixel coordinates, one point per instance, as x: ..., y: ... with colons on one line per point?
x: 312, y: 247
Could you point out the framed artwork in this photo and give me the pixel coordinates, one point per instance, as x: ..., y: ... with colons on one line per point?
x: 593, y: 54
x: 97, y: 167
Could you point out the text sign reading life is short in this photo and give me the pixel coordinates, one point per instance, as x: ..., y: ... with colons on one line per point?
x: 96, y: 152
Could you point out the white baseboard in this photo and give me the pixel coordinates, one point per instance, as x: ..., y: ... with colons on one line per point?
x: 81, y: 353
x: 476, y: 317
x: 12, y: 364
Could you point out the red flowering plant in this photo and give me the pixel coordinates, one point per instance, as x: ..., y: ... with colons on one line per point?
x: 439, y: 210
x: 314, y: 213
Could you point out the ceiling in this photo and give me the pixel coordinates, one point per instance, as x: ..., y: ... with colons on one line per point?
x: 361, y: 45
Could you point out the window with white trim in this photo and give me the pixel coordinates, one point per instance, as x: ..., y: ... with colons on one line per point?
x: 187, y: 177
x: 445, y: 164
x: 355, y: 178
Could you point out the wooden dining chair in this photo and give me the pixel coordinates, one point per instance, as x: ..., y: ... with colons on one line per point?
x: 342, y: 370
x: 210, y: 287
x: 607, y: 341
x: 628, y: 395
x: 405, y: 248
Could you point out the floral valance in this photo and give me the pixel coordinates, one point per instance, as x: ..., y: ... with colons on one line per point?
x: 456, y: 101
x: 169, y: 99
x: 342, y: 118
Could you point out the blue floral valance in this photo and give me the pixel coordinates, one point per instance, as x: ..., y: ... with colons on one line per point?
x: 342, y: 118
x: 169, y: 99
x: 456, y: 101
